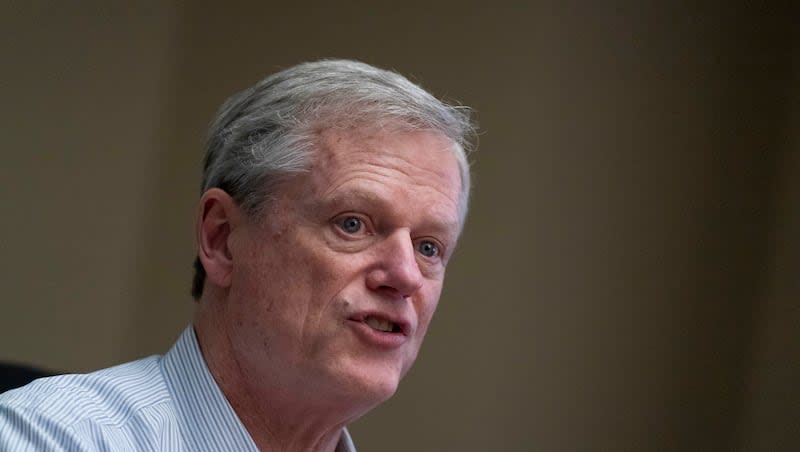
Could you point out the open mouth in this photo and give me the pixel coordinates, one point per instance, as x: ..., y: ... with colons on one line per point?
x: 381, y: 329
x: 382, y: 325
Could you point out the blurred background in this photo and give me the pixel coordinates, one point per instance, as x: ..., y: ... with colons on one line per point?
x: 628, y: 277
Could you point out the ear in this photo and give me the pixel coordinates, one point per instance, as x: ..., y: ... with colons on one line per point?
x: 217, y: 218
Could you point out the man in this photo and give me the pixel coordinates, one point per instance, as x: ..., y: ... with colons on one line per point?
x: 333, y: 196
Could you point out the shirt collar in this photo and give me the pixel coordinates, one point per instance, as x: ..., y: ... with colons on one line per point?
x: 207, y: 420
x: 345, y: 442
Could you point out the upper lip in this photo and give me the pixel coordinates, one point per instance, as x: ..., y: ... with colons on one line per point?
x: 403, y: 323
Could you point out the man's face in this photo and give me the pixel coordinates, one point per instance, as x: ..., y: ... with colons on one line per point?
x: 334, y: 289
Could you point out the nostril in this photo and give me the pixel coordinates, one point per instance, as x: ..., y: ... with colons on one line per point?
x: 394, y: 278
x: 391, y: 292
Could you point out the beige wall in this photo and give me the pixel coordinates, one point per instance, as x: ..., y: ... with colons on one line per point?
x: 771, y: 412
x: 82, y: 116
x: 626, y: 278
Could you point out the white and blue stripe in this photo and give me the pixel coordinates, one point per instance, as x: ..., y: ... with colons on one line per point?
x: 169, y: 403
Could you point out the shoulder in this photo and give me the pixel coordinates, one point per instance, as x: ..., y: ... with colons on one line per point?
x: 107, y: 396
x: 57, y: 409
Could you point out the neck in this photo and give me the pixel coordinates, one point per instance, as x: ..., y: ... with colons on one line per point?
x: 279, y: 415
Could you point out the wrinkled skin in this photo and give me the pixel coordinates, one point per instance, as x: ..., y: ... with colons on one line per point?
x: 369, y: 229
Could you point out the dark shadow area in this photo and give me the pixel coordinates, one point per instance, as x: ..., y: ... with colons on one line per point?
x: 13, y: 375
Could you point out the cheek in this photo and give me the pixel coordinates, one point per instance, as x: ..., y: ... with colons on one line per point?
x: 259, y: 279
x: 298, y: 276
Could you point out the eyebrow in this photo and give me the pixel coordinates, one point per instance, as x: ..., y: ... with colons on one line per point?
x: 356, y: 196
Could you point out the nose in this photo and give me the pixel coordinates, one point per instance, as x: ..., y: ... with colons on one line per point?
x: 396, y: 272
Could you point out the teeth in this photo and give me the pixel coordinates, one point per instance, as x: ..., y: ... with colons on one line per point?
x: 380, y: 325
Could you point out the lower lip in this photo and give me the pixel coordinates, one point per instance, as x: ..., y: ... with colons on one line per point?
x: 377, y: 338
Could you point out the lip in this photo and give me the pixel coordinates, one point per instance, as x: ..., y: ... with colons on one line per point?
x: 405, y: 325
x: 380, y: 338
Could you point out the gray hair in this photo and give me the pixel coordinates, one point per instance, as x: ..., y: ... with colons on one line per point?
x: 268, y: 132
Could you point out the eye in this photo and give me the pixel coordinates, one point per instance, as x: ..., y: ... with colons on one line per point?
x: 428, y: 249
x: 351, y: 224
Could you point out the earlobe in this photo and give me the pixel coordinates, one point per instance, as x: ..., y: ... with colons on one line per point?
x: 217, y: 218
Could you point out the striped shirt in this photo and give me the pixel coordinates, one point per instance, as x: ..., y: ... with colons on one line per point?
x: 169, y: 403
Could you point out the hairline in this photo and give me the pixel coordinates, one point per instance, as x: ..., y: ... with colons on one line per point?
x: 265, y: 134
x: 268, y: 194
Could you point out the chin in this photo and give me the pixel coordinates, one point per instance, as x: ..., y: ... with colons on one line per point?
x: 385, y: 389
x: 372, y: 386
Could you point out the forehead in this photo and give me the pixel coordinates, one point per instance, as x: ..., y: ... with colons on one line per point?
x: 424, y: 154
x: 418, y: 168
